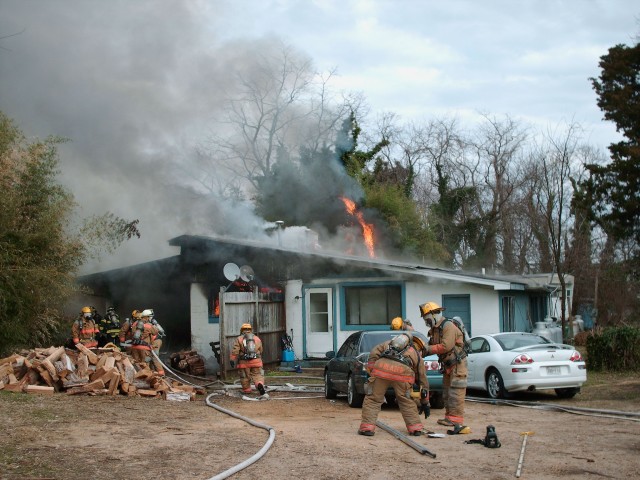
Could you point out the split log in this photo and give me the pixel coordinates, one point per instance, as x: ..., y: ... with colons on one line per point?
x: 39, y: 390
x: 129, y: 370
x: 147, y: 393
x: 13, y: 387
x: 89, y: 387
x: 93, y: 358
x: 83, y: 366
x: 114, y: 382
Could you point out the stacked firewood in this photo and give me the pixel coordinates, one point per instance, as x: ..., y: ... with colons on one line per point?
x: 85, y: 371
x: 189, y: 362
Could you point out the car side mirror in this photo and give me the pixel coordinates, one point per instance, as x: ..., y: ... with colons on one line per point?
x: 363, y: 357
x: 330, y: 354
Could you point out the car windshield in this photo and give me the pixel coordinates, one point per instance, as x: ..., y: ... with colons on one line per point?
x: 371, y: 339
x: 512, y: 341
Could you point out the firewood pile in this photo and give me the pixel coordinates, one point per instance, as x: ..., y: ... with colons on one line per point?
x: 89, y: 372
x: 189, y: 362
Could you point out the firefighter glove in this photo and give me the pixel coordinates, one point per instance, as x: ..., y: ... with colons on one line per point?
x: 425, y: 408
x: 232, y: 363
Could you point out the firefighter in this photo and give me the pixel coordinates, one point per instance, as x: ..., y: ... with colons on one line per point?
x: 447, y: 341
x: 397, y: 364
x: 84, y: 329
x: 126, y: 333
x: 399, y: 324
x: 247, y: 352
x: 157, y: 342
x: 109, y: 327
x: 144, y: 334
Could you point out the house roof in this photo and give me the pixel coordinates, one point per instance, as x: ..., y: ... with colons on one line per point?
x: 497, y: 282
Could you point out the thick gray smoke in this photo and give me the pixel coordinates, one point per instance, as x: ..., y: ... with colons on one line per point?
x: 136, y: 88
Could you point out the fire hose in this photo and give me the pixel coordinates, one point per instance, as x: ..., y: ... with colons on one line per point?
x: 616, y: 414
x: 258, y: 455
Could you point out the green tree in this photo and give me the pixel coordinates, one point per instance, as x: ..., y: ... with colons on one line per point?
x: 613, y: 190
x: 39, y: 256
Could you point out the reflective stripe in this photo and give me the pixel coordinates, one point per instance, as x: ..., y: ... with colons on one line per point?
x: 256, y: 362
x: 367, y: 427
x: 455, y: 419
x: 415, y: 427
x: 141, y: 347
x: 392, y: 376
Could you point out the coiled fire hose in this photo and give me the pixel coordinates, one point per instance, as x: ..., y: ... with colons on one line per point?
x: 252, y: 459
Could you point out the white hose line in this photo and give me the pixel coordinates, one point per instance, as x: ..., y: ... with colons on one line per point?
x: 590, y: 412
x: 252, y: 459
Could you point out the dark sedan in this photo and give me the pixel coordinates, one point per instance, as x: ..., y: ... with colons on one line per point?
x: 345, y: 372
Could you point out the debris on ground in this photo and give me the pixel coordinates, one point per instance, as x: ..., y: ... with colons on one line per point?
x: 101, y: 371
x: 188, y: 362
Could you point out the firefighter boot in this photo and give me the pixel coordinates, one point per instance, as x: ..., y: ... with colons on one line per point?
x: 260, y: 388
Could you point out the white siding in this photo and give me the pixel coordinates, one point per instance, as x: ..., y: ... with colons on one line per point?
x: 484, y: 304
x: 293, y: 313
x: 203, y: 332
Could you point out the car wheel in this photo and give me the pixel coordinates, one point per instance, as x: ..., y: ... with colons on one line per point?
x: 354, y: 399
x: 567, y: 392
x: 436, y: 400
x: 329, y: 391
x: 495, y: 385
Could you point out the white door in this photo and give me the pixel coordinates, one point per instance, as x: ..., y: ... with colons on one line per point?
x: 319, y: 321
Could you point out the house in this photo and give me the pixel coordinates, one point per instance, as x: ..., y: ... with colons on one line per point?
x: 315, y: 297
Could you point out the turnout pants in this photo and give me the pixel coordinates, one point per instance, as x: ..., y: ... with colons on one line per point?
x: 454, y: 390
x: 249, y: 375
x: 373, y: 402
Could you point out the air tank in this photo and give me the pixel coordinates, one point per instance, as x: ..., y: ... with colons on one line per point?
x: 542, y: 330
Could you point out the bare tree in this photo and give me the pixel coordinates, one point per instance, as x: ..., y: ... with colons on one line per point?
x: 280, y: 105
x: 558, y: 160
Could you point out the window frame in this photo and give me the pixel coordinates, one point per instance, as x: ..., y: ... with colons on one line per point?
x: 342, y: 289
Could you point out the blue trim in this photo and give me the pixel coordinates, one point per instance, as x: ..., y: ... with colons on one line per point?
x: 213, y: 319
x: 343, y: 306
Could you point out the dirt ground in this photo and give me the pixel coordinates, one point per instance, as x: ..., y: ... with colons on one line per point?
x: 98, y: 437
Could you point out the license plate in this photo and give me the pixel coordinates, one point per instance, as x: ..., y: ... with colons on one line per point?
x: 553, y: 371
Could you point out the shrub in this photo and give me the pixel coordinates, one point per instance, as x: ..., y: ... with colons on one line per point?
x: 614, y: 348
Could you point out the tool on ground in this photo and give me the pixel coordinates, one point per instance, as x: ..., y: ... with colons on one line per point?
x: 524, y: 445
x: 415, y: 445
x: 490, y: 440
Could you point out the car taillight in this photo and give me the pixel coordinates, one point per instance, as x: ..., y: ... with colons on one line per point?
x: 576, y: 357
x: 522, y: 359
x: 431, y: 365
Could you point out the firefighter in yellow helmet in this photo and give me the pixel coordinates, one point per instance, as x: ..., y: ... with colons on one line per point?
x: 395, y: 364
x: 247, y: 353
x: 84, y: 329
x: 447, y: 341
x: 399, y: 324
x: 126, y: 334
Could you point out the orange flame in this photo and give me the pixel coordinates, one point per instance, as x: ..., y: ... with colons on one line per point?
x: 367, y: 228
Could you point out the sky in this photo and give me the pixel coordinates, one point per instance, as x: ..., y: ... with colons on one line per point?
x: 134, y: 84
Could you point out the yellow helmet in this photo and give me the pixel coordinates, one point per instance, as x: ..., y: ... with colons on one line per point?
x: 246, y: 327
x: 430, y: 307
x: 396, y: 323
x: 418, y: 342
x: 135, y: 314
x: 86, y: 310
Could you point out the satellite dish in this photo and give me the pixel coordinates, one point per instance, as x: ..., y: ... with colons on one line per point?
x: 246, y: 273
x: 231, y: 272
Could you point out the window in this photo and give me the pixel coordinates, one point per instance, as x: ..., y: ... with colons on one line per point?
x: 372, y: 305
x: 508, y: 314
x: 318, y: 312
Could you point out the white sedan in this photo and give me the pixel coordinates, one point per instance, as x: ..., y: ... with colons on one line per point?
x: 503, y: 363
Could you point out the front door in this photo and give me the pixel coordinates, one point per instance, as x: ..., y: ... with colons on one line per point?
x: 458, y: 306
x: 318, y: 321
